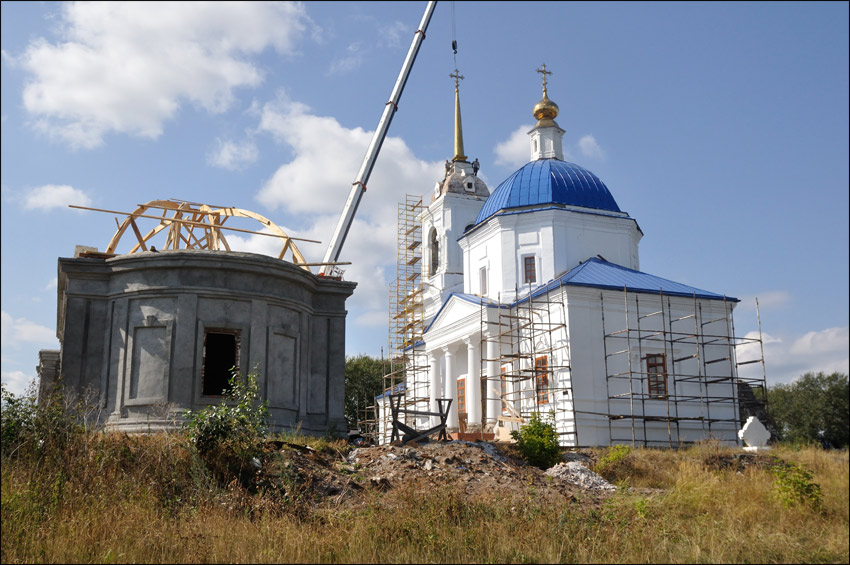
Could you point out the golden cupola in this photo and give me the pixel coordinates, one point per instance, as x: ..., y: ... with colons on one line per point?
x: 545, y: 111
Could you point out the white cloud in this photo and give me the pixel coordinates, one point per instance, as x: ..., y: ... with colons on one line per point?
x: 390, y: 35
x: 52, y: 196
x: 824, y: 342
x: 351, y: 61
x: 17, y: 382
x: 787, y: 358
x: 53, y: 284
x: 21, y: 330
x: 316, y: 183
x: 128, y: 66
x: 589, y: 148
x: 514, y: 151
x: 327, y: 158
x: 231, y: 155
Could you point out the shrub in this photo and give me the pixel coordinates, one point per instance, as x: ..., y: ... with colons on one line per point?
x: 35, y: 428
x: 18, y: 418
x: 240, y: 418
x: 793, y: 485
x: 537, y: 441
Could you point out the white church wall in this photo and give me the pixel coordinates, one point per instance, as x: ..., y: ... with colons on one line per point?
x: 557, y: 239
x: 691, y: 378
x: 579, y: 236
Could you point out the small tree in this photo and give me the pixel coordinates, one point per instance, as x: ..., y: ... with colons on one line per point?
x: 538, y: 441
x: 363, y: 382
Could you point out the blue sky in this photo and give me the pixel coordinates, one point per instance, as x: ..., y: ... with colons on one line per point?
x: 721, y: 127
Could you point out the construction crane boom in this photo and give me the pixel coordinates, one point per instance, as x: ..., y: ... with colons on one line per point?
x: 359, y: 185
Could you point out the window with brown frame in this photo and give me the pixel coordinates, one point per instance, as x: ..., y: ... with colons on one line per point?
x: 529, y: 269
x: 461, y: 396
x: 541, y: 378
x: 221, y: 355
x: 656, y: 371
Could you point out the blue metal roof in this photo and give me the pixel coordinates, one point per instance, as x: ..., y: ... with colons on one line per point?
x: 599, y: 273
x: 397, y: 389
x: 549, y: 181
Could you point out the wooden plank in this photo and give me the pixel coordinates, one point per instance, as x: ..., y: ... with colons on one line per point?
x: 138, y: 233
x: 190, y: 222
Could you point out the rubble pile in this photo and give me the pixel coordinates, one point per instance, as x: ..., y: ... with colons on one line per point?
x: 574, y: 472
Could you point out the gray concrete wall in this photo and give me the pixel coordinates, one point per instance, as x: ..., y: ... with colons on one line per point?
x: 132, y: 328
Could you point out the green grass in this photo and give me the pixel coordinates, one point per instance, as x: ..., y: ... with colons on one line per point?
x: 118, y: 498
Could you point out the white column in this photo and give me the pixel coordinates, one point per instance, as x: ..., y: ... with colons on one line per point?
x: 473, y: 385
x: 494, y: 406
x: 451, y: 389
x: 436, y: 384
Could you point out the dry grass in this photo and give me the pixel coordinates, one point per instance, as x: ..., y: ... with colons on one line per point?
x: 116, y: 498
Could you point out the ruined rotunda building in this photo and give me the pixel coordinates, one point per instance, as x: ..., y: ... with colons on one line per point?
x: 151, y: 333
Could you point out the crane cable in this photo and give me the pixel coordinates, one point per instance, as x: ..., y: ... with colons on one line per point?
x: 454, y: 34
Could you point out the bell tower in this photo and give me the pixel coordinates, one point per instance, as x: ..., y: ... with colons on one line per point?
x: 455, y: 204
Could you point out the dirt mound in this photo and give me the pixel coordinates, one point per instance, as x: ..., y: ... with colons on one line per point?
x: 474, y: 469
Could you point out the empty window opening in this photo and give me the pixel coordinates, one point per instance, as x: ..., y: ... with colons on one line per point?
x: 541, y: 377
x: 656, y: 370
x: 529, y: 269
x: 482, y: 276
x: 469, y: 187
x: 221, y: 354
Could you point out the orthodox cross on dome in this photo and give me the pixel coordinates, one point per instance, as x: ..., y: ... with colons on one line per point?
x: 543, y: 72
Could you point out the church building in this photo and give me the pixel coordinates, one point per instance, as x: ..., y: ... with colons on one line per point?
x: 533, y: 301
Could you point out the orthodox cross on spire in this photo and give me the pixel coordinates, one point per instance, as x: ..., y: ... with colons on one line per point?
x: 543, y: 72
x: 458, y: 77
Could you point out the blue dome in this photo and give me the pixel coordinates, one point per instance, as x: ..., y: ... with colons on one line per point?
x: 549, y: 181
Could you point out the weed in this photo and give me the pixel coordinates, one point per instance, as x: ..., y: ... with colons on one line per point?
x: 615, y: 456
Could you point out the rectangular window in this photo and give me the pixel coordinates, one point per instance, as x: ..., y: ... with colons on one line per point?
x: 529, y: 269
x: 482, y: 276
x: 461, y: 396
x: 541, y: 378
x: 221, y: 355
x: 656, y: 370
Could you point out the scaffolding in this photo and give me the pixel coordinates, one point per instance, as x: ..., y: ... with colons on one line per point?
x: 529, y: 341
x: 672, y: 370
x: 407, y: 370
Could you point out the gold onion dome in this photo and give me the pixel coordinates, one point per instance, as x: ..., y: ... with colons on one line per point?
x: 545, y: 109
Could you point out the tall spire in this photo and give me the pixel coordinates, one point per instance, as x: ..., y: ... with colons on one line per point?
x: 459, y: 156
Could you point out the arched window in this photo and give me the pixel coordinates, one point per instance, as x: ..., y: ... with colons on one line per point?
x: 435, y: 252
